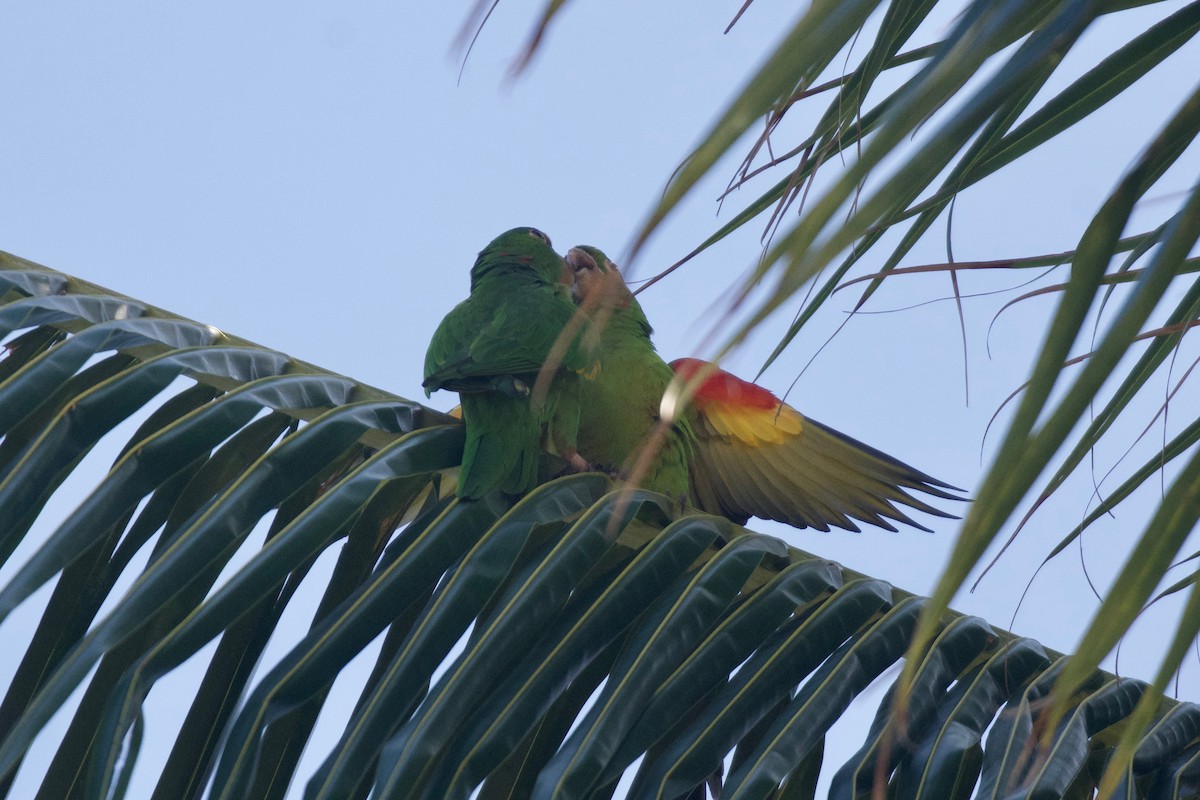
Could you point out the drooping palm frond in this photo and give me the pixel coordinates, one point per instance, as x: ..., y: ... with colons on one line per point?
x: 892, y: 155
x: 538, y: 650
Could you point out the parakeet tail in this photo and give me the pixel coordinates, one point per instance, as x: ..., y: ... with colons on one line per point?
x: 502, y: 445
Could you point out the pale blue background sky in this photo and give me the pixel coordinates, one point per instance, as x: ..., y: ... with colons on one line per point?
x: 309, y: 176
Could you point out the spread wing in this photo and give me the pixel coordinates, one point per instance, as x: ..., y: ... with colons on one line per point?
x: 756, y: 456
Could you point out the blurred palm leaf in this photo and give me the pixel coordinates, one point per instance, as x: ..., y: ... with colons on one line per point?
x: 894, y: 154
x: 546, y: 649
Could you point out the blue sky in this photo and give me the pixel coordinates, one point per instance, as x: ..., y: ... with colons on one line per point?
x: 313, y: 177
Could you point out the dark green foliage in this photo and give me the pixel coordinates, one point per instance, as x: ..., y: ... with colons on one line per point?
x: 710, y: 641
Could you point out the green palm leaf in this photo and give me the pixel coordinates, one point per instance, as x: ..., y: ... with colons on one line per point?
x: 980, y: 100
x: 498, y: 624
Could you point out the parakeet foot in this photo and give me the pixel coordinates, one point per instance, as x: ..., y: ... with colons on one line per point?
x: 576, y: 462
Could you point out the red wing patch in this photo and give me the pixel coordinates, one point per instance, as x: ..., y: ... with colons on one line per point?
x: 737, y: 409
x: 723, y: 387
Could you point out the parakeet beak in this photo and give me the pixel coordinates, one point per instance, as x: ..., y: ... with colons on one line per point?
x: 578, y: 259
x: 579, y: 266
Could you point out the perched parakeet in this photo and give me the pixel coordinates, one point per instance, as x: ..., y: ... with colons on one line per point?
x: 491, y: 348
x: 619, y: 410
x: 736, y: 450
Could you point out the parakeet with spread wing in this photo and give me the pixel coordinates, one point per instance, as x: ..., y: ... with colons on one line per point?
x: 491, y: 349
x: 736, y: 450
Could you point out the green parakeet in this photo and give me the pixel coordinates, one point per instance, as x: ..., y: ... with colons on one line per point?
x: 619, y: 410
x: 736, y: 450
x: 491, y: 348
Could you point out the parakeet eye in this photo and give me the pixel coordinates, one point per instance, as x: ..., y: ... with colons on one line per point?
x: 539, y: 235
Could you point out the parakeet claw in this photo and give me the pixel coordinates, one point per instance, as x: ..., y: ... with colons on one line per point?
x: 576, y: 462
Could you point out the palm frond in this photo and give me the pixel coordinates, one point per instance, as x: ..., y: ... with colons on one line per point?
x: 580, y: 638
x: 893, y: 155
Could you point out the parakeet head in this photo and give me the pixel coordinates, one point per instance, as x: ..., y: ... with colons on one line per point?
x: 596, y: 279
x: 521, y: 248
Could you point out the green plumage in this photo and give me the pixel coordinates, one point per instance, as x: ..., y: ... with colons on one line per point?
x: 490, y: 349
x: 736, y: 450
x: 619, y: 427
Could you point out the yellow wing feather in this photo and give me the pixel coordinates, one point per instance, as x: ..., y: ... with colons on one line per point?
x: 756, y: 456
